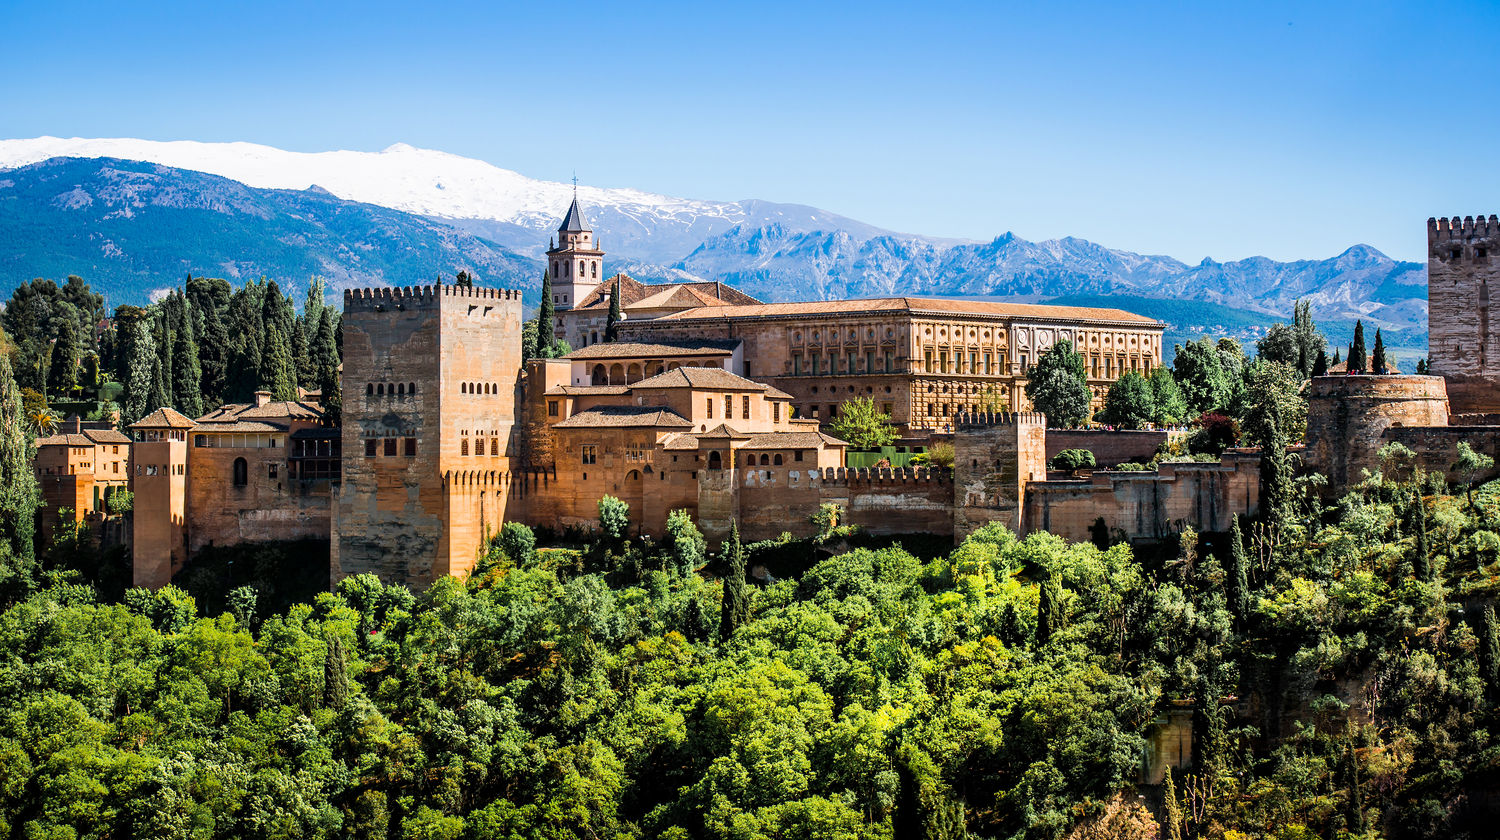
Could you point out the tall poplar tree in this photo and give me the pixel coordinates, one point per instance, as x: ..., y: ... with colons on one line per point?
x: 19, y: 496
x: 1275, y: 471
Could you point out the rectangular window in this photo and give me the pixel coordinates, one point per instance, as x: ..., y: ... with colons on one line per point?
x: 775, y: 412
x: 369, y: 447
x: 410, y: 445
x: 271, y: 473
x: 833, y: 363
x: 890, y: 361
x: 798, y: 455
x: 389, y: 447
x: 635, y: 452
x: 494, y: 446
x: 551, y: 408
x: 814, y: 411
x: 797, y: 364
x: 814, y: 358
x: 745, y: 407
x: 588, y: 453
x: 1023, y: 363
x: 851, y: 364
x: 973, y: 363
x: 710, y: 402
x: 463, y: 447
x: 885, y: 408
x: 870, y: 362
x: 728, y: 406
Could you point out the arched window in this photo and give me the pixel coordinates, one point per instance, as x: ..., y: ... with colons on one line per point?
x: 463, y: 448
x: 369, y: 389
x: 380, y: 390
x: 777, y: 459
x: 241, y: 472
x: 765, y: 460
x: 411, y: 387
x: 600, y: 377
x: 596, y: 269
x: 633, y: 475
x: 401, y: 389
x: 715, y: 462
x: 750, y: 460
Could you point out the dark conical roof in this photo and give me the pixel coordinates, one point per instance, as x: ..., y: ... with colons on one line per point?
x: 573, y: 222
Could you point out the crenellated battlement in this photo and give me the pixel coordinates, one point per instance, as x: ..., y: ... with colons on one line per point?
x: 1003, y: 418
x: 380, y: 299
x: 1451, y: 229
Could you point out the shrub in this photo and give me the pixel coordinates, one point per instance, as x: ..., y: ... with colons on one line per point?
x: 1073, y: 459
x: 614, y: 517
x: 518, y: 542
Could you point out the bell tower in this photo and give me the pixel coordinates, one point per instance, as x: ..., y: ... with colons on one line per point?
x: 575, y: 262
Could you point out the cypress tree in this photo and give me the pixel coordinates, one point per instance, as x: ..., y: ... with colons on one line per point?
x: 1237, y: 581
x: 62, y: 373
x: 735, y: 611
x: 1049, y: 611
x: 1336, y: 358
x: 1377, y: 361
x: 1275, y: 471
x: 1320, y: 364
x: 546, y: 315
x: 1489, y: 653
x: 161, y: 386
x: 1172, y: 809
x: 1422, y: 563
x: 612, y: 325
x: 1354, y: 799
x: 140, y: 370
x: 187, y: 374
x: 1358, y: 363
x: 335, y: 674
x: 302, y: 358
x: 210, y: 300
x: 325, y: 350
x: 277, y: 373
x: 19, y: 496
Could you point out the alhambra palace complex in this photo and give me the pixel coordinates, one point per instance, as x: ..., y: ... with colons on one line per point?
x: 711, y: 401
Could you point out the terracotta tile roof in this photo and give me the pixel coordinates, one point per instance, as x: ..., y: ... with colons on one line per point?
x: 105, y: 436
x: 625, y: 416
x: 281, y: 410
x: 636, y: 350
x: 958, y: 306
x: 163, y: 418
x: 699, y: 377
x: 681, y: 442
x: 792, y: 440
x: 72, y: 439
x: 633, y: 292
x: 241, y: 426
x: 723, y: 431
x: 595, y: 390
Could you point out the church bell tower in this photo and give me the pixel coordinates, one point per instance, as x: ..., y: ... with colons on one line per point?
x: 575, y: 262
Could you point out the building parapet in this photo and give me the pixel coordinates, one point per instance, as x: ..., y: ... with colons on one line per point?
x: 1446, y: 229
x: 374, y: 299
x: 1000, y: 418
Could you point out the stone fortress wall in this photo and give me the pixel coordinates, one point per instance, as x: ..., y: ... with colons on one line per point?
x: 1463, y: 272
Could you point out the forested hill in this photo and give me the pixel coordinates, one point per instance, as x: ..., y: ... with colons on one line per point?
x: 132, y: 228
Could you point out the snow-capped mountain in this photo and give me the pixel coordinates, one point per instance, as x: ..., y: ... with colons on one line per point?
x: 774, y: 251
x: 505, y: 206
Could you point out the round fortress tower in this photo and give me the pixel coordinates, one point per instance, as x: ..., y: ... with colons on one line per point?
x: 1346, y: 416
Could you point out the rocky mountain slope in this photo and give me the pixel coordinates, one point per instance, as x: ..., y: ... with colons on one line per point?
x: 134, y: 228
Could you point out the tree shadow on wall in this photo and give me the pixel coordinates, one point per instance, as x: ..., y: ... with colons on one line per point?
x: 282, y: 573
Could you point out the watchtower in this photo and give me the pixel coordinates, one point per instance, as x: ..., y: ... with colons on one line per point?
x: 1463, y: 270
x: 994, y: 457
x: 158, y: 467
x: 429, y: 388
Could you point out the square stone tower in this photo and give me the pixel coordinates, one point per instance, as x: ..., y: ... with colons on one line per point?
x: 1463, y: 270
x: 429, y: 386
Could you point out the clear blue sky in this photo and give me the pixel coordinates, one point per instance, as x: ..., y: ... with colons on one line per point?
x: 1195, y: 129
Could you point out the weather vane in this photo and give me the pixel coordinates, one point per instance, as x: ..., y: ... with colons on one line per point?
x: 575, y: 183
